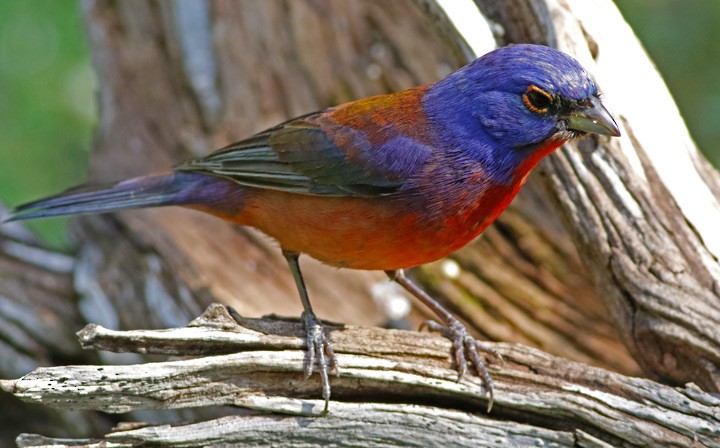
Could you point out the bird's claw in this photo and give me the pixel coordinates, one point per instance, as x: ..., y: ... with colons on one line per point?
x: 465, y: 346
x: 319, y: 352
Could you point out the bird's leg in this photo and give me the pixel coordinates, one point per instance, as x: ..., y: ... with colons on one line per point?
x: 450, y: 327
x: 318, y: 344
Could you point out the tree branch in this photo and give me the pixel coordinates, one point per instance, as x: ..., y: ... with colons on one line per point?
x: 399, y: 378
x: 38, y: 315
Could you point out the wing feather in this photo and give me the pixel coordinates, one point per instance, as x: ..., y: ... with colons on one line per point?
x: 299, y: 157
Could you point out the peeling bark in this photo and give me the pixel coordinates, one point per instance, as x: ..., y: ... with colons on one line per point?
x: 263, y: 372
x: 38, y: 318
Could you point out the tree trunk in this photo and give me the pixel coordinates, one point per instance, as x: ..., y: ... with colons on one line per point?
x: 643, y: 210
x: 603, y: 249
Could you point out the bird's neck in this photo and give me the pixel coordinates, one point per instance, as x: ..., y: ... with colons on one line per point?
x: 534, y: 156
x: 497, y: 194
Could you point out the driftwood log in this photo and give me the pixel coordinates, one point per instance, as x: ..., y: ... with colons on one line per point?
x: 395, y: 385
x: 608, y: 257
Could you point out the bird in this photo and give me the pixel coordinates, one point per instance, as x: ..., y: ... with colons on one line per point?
x: 386, y: 183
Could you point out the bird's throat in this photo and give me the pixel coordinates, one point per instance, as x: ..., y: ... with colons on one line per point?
x: 537, y: 154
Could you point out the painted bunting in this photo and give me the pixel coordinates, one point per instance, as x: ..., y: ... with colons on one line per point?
x: 387, y: 182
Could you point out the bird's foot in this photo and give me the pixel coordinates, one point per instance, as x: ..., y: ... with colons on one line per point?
x: 464, y: 347
x: 318, y: 352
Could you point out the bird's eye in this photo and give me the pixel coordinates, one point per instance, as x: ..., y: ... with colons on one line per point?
x: 537, y: 100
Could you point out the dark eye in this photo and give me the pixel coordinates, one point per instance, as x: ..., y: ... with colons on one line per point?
x: 537, y: 100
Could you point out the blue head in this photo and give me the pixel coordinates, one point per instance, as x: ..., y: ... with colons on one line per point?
x: 507, y: 103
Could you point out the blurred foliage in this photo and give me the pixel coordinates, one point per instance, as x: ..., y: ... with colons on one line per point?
x: 47, y: 105
x: 47, y: 88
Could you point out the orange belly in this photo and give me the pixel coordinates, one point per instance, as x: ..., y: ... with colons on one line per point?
x: 358, y: 233
x: 380, y: 233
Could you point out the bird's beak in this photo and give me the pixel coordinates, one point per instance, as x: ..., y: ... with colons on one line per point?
x: 594, y: 119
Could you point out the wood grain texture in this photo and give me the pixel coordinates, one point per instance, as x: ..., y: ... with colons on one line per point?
x: 534, y: 391
x: 39, y: 314
x: 633, y: 204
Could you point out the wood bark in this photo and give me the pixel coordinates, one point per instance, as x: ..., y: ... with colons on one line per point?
x: 601, y: 251
x: 643, y: 210
x: 259, y: 366
x: 39, y: 315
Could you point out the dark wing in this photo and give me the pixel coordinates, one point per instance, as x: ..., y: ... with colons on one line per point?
x: 300, y: 156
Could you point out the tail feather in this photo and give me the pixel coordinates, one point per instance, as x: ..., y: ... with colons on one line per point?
x: 148, y: 191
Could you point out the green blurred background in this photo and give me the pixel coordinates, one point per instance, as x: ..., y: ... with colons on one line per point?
x: 47, y: 88
x: 47, y: 103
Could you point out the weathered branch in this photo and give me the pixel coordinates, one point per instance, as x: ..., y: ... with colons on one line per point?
x: 384, y: 425
x: 38, y: 317
x: 400, y: 378
x: 634, y: 204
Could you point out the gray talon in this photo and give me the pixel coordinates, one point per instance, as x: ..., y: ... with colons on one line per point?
x: 319, y: 352
x: 465, y: 346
